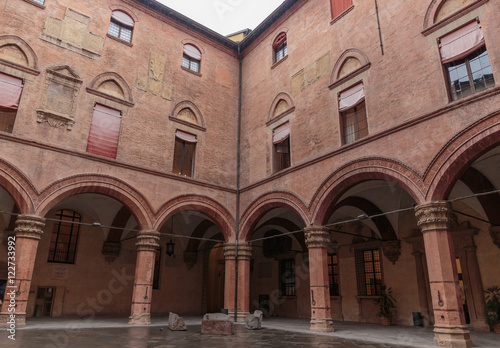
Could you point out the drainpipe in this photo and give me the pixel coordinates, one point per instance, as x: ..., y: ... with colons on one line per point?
x: 379, y: 29
x: 237, y: 192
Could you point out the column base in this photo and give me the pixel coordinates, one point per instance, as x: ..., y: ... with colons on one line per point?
x: 140, y: 319
x: 321, y: 325
x: 452, y: 336
x: 480, y: 325
x: 240, y: 317
x: 6, y: 320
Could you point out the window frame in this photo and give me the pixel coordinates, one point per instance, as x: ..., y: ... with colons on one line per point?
x: 53, y: 250
x: 361, y: 273
x: 94, y: 110
x: 121, y: 26
x: 183, y: 152
x: 6, y: 111
x: 343, y: 123
x: 190, y: 61
x: 466, y: 62
x: 280, y: 47
x: 280, y: 165
x: 340, y: 14
x: 333, y: 274
x: 284, y: 284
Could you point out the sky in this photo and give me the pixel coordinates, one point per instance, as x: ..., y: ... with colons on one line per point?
x: 225, y: 16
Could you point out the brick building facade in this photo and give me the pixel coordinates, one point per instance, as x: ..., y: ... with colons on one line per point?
x: 150, y: 164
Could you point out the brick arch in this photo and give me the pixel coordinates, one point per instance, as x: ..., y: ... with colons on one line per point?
x: 117, y: 79
x: 435, y: 7
x: 18, y: 186
x: 350, y: 53
x: 364, y: 169
x: 266, y: 202
x: 29, y: 53
x: 458, y: 154
x: 281, y: 96
x: 191, y: 106
x: 101, y: 184
x: 214, y: 210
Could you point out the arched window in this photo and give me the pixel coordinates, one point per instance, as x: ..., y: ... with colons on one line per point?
x: 191, y: 58
x: 279, y: 47
x: 64, y: 236
x: 121, y: 26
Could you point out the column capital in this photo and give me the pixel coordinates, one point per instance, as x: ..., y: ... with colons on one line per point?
x: 244, y: 251
x: 148, y: 241
x: 434, y: 216
x: 317, y: 237
x: 29, y: 226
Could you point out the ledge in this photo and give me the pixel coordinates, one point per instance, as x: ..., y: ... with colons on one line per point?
x: 110, y: 97
x: 129, y: 44
x: 350, y: 76
x: 280, y: 116
x: 19, y: 67
x: 340, y: 16
x: 188, y: 124
x: 191, y: 71
x: 279, y: 62
x: 454, y: 16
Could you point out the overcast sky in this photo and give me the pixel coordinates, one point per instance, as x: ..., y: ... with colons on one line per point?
x: 225, y: 16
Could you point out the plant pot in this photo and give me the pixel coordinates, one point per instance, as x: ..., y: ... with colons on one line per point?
x: 496, y: 327
x: 385, y: 321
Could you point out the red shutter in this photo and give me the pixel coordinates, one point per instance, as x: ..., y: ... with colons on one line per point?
x: 104, y: 131
x: 279, y: 40
x: 10, y: 91
x: 339, y: 6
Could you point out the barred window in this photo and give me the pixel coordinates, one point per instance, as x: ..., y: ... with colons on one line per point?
x: 64, y: 236
x: 280, y: 47
x: 368, y: 272
x: 287, y: 277
x: 121, y: 26
x: 191, y: 58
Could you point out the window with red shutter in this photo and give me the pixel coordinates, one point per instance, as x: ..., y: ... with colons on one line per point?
x: 104, y: 131
x: 339, y: 6
x: 10, y: 94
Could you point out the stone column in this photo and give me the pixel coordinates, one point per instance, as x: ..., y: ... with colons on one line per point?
x: 450, y: 330
x: 478, y: 319
x: 147, y: 244
x: 244, y: 257
x: 317, y: 239
x: 28, y: 231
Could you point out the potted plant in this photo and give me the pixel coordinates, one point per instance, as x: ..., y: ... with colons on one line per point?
x: 386, y: 305
x: 493, y: 307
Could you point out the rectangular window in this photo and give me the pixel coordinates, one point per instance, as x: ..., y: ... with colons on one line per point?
x: 466, y: 61
x: 287, y: 277
x: 339, y: 6
x: 157, y: 269
x: 281, y: 141
x: 355, y: 124
x: 104, y: 131
x: 64, y: 237
x: 184, y: 148
x: 333, y: 275
x: 10, y: 94
x: 368, y: 272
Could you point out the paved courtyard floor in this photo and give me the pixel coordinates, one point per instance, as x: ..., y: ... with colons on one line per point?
x: 277, y: 332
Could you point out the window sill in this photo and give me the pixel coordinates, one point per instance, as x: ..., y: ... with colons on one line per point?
x: 342, y: 15
x: 191, y: 71
x: 279, y: 62
x: 120, y: 40
x: 472, y: 97
x: 34, y: 3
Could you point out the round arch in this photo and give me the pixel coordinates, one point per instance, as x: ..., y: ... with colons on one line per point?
x: 18, y: 186
x: 364, y: 169
x: 266, y: 202
x: 458, y: 154
x: 214, y: 210
x: 102, y: 184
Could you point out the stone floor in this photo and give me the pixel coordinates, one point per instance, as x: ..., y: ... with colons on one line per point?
x: 277, y: 332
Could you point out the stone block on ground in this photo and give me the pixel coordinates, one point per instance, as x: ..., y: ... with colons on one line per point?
x: 216, y: 324
x: 176, y: 323
x: 254, y: 321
